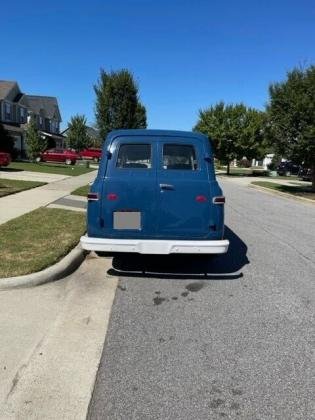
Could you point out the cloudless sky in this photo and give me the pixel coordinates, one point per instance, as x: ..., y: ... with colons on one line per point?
x: 185, y: 54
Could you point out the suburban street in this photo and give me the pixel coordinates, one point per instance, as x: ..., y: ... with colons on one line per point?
x: 227, y: 337
x: 157, y: 210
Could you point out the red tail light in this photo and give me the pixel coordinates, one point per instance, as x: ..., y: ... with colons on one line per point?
x: 92, y: 196
x: 201, y: 198
x: 219, y: 200
x: 112, y: 196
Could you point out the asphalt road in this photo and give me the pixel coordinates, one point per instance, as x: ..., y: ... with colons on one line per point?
x: 227, y: 337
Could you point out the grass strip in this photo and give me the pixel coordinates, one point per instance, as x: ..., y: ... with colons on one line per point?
x: 49, y: 168
x: 300, y: 191
x: 245, y: 172
x: 38, y: 239
x: 12, y: 186
x: 83, y: 191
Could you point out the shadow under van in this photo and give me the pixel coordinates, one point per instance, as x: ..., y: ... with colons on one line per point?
x: 213, y: 267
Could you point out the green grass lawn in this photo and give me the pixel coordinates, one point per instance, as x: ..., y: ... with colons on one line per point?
x: 51, y: 168
x: 12, y: 186
x: 245, y: 172
x: 255, y: 172
x: 82, y: 191
x: 38, y: 239
x: 301, y: 191
x: 291, y: 177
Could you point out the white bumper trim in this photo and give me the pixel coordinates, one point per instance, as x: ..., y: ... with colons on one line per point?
x: 155, y: 246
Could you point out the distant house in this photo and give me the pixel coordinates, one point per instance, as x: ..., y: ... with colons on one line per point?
x: 93, y: 133
x: 263, y: 162
x: 16, y: 108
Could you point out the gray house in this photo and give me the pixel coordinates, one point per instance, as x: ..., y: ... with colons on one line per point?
x: 92, y: 132
x: 16, y: 108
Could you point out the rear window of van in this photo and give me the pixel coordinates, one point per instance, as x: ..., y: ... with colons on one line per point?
x: 134, y: 156
x: 179, y: 156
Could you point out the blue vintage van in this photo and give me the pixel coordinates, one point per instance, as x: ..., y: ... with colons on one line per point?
x: 156, y: 193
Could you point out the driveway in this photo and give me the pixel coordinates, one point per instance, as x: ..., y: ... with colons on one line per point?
x: 223, y: 337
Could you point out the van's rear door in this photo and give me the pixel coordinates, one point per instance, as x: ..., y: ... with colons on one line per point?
x: 184, y: 189
x: 129, y: 193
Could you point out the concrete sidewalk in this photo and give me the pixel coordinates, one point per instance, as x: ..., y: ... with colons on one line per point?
x: 51, y: 339
x: 31, y: 176
x: 15, y: 205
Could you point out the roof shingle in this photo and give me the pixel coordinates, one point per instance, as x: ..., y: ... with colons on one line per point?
x: 5, y: 88
x: 48, y: 103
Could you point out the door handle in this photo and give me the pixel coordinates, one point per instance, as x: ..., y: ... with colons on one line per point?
x: 166, y: 187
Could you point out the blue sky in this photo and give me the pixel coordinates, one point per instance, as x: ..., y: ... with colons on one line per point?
x: 185, y: 55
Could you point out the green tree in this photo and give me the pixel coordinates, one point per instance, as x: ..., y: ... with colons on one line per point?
x: 235, y: 130
x: 117, y: 102
x: 6, y: 141
x: 140, y: 116
x: 291, y: 117
x: 77, y: 136
x: 35, y: 144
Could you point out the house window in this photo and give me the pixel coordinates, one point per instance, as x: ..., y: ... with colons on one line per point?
x: 54, y: 126
x: 22, y: 115
x: 40, y: 121
x: 7, y: 111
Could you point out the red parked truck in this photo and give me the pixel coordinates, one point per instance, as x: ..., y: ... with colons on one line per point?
x: 91, y: 153
x: 68, y: 156
x: 5, y: 159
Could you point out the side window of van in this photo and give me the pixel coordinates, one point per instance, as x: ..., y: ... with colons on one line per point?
x: 134, y: 156
x: 179, y: 156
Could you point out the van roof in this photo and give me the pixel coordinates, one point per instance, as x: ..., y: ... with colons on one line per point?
x: 157, y: 133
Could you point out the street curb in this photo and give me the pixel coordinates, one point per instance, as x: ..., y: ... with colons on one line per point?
x: 61, y: 269
x: 270, y: 191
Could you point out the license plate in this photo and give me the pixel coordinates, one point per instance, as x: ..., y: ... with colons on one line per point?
x: 127, y: 220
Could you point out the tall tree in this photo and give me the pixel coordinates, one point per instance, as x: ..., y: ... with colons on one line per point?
x: 6, y: 141
x: 77, y: 135
x: 291, y: 115
x: 236, y: 131
x: 117, y: 102
x: 140, y: 116
x: 35, y: 144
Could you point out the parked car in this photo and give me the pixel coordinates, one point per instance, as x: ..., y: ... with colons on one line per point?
x: 306, y: 174
x: 5, y: 159
x: 288, y: 168
x: 156, y: 193
x: 68, y: 156
x: 91, y: 153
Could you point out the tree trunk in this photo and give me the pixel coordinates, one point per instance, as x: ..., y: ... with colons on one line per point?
x: 228, y: 168
x: 313, y: 177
